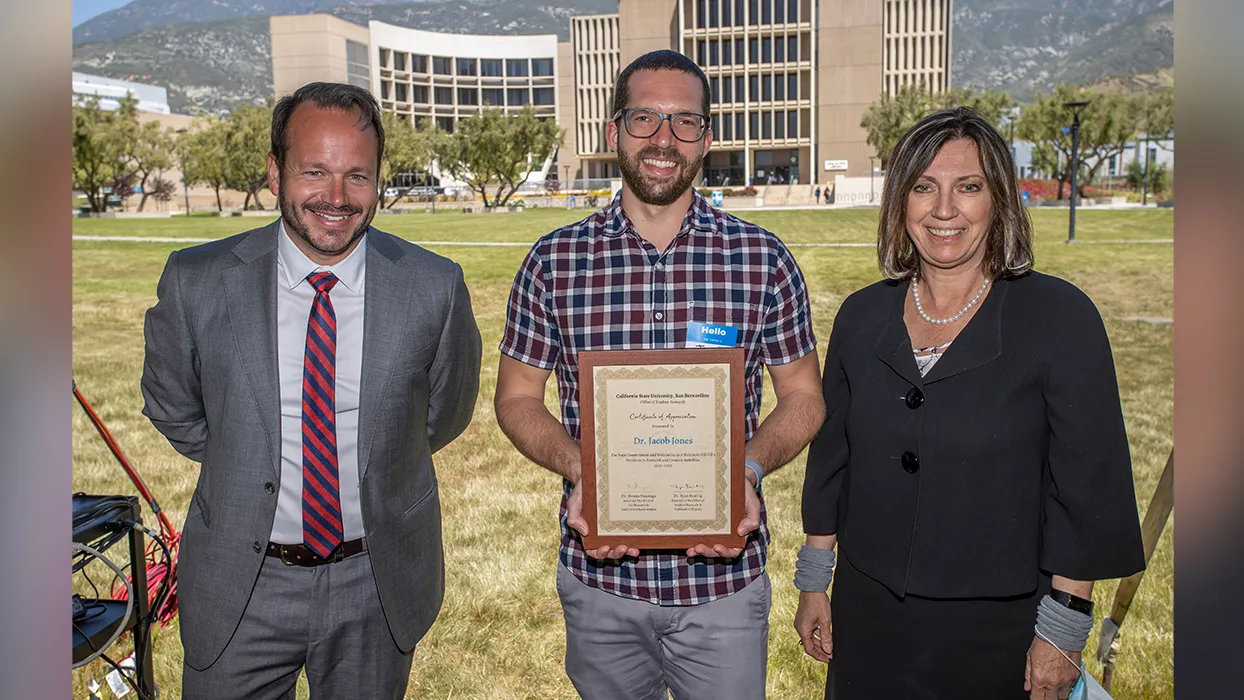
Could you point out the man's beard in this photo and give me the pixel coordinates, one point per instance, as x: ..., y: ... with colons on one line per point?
x: 658, y: 195
x: 293, y: 216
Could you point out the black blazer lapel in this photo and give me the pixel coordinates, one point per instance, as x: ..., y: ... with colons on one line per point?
x: 893, y: 345
x: 979, y: 342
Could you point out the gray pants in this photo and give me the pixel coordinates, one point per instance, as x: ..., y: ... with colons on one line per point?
x: 623, y: 649
x: 326, y: 618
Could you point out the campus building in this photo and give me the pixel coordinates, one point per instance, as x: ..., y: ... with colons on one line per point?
x: 108, y: 93
x: 790, y: 79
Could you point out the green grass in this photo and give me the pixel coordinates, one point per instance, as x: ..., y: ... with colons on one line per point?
x: 499, y: 634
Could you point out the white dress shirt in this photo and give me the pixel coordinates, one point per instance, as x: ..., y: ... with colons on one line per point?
x: 294, y: 295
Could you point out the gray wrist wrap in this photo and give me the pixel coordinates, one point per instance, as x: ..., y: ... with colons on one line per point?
x: 1063, y: 627
x: 814, y: 569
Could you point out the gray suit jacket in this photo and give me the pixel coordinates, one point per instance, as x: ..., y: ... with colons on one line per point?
x: 210, y: 385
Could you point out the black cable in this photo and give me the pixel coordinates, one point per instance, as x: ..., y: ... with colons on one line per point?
x: 126, y: 676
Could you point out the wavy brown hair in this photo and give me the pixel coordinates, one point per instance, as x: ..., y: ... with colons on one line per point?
x: 1008, y: 245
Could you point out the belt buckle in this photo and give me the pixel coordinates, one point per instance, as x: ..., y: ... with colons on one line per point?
x: 281, y: 549
x: 337, y: 554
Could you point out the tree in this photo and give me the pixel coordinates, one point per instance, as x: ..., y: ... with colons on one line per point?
x: 203, y: 154
x: 162, y: 190
x: 492, y: 149
x: 247, y: 135
x: 150, y: 155
x: 1155, y: 180
x: 407, y: 149
x: 101, y: 140
x: 1106, y: 127
x: 892, y: 116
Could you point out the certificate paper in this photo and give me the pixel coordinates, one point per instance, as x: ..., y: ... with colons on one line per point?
x: 662, y: 445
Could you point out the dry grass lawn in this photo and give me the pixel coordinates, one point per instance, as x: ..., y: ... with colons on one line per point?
x: 500, y: 634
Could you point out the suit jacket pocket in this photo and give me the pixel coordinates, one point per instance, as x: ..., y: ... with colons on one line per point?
x: 420, y: 502
x: 199, y: 505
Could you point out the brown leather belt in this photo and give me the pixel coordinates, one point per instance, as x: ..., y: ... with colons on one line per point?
x: 301, y: 554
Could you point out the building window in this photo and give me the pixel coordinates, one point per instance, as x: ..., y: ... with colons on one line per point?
x: 738, y: 89
x: 726, y: 58
x: 358, y: 72
x: 400, y: 92
x: 739, y: 57
x: 766, y: 88
x: 419, y: 94
x: 399, y: 61
x: 766, y: 121
x: 418, y: 63
x: 701, y: 53
x: 753, y: 88
x: 444, y: 96
x: 792, y: 14
x: 792, y: 86
x: 716, y: 127
x: 467, y: 96
x: 542, y: 96
x: 466, y: 66
x: 779, y: 12
x: 754, y: 125
x: 738, y: 126
x: 445, y: 124
x: 792, y: 124
x: 516, y: 67
x: 712, y: 13
x: 386, y: 86
x: 726, y: 19
x: 491, y: 68
x: 766, y: 12
x: 779, y: 88
x: 517, y: 97
x: 385, y: 58
x: 714, y: 89
x: 779, y: 127
x: 494, y: 97
x: 753, y: 50
x: 726, y: 97
x: 712, y: 53
x: 700, y: 14
x: 753, y: 11
x: 542, y: 67
x: 441, y: 65
x: 728, y: 133
x: 792, y: 48
x: 779, y: 51
x: 766, y: 50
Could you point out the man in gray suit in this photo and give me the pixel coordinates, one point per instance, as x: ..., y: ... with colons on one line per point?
x: 312, y: 367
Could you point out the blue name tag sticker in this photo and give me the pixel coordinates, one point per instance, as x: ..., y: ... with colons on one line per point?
x: 708, y: 335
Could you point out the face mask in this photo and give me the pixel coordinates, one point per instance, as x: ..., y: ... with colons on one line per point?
x: 1087, y: 688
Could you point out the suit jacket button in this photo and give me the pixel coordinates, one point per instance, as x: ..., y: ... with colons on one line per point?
x: 257, y: 547
x: 911, y: 463
x: 269, y: 488
x: 914, y: 398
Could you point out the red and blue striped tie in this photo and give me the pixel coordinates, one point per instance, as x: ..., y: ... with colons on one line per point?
x: 321, y: 496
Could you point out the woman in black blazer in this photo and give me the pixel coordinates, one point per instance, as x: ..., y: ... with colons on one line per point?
x: 973, y: 469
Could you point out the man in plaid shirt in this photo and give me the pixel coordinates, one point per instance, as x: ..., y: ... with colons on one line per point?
x: 632, y: 276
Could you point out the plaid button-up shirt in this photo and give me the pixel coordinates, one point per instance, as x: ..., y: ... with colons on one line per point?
x: 598, y: 285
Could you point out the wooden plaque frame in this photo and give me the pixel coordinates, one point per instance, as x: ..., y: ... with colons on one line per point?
x: 589, y: 361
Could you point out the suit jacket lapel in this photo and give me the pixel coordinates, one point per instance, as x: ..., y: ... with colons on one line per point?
x: 387, y: 302
x: 250, y: 289
x: 893, y: 345
x: 978, y: 343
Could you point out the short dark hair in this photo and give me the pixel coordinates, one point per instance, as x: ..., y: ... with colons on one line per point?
x: 1008, y: 245
x: 342, y: 97
x: 663, y: 59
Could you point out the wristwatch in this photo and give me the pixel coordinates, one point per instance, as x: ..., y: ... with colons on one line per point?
x: 1072, y: 601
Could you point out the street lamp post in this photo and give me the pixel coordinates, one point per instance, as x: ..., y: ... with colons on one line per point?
x: 872, y: 177
x: 1144, y: 179
x: 1075, y: 108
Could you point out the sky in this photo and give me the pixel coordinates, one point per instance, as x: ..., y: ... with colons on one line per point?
x: 86, y: 9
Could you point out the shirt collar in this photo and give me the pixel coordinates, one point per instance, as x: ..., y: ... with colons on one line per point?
x: 700, y: 217
x: 296, y: 265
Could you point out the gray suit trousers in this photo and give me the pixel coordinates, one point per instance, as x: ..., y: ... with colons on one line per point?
x: 326, y: 618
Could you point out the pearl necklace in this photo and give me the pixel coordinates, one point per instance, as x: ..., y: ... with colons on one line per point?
x: 915, y: 295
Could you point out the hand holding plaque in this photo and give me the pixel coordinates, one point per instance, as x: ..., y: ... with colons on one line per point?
x: 662, y: 448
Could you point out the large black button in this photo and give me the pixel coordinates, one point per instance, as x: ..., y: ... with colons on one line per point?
x: 911, y: 463
x: 257, y: 547
x: 914, y: 398
x: 269, y: 488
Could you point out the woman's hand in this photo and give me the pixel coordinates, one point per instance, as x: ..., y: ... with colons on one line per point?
x: 813, y: 623
x: 1048, y: 675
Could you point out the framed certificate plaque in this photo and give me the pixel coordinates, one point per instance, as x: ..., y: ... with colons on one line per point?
x: 662, y: 440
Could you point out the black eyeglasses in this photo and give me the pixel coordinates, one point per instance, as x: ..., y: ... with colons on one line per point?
x: 643, y: 123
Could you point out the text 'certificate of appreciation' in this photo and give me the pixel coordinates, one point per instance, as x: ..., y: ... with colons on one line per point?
x: 662, y: 446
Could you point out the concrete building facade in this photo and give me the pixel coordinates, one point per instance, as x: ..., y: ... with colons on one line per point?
x: 790, y: 79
